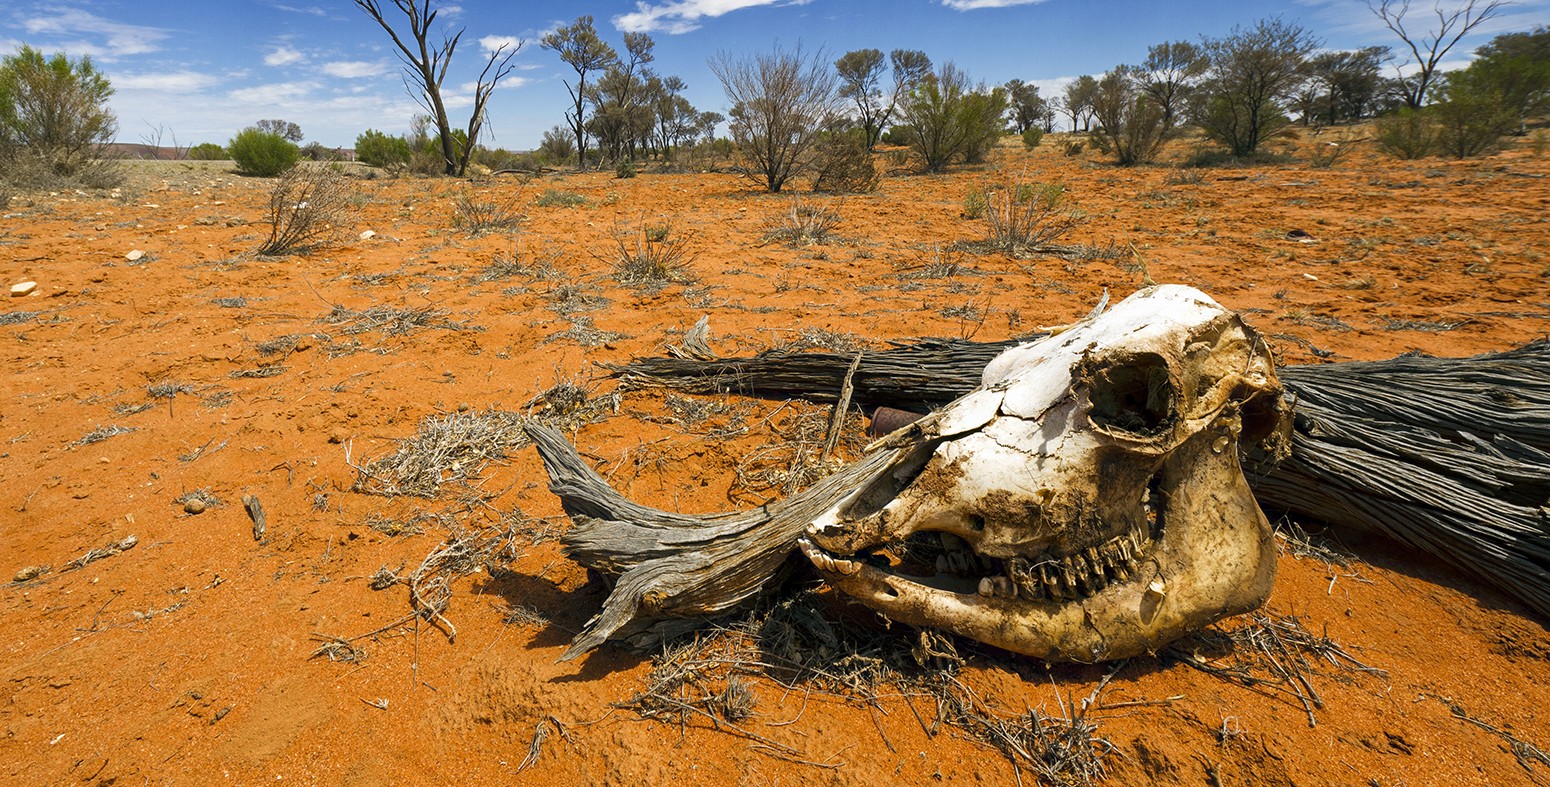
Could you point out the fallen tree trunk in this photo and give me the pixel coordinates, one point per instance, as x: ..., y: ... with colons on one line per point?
x: 1449, y: 456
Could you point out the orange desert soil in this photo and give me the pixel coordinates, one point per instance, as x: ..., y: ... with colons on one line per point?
x: 187, y: 658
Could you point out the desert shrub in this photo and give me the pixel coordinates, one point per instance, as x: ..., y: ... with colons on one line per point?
x: 1131, y: 125
x: 1471, y: 118
x: 653, y: 257
x: 843, y: 164
x: 974, y: 204
x: 946, y: 119
x: 317, y: 151
x: 1032, y: 137
x: 625, y: 169
x: 54, y: 120
x: 261, y: 153
x: 557, y: 198
x: 1249, y: 76
x: 207, y: 151
x: 1407, y: 134
x: 480, y: 216
x: 558, y: 145
x: 1023, y: 218
x: 308, y: 208
x: 1072, y: 147
x: 377, y: 149
x: 897, y: 136
x: 780, y: 102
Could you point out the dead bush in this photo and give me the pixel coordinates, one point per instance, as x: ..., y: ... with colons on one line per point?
x: 844, y: 165
x: 308, y: 208
x: 477, y: 216
x: 1027, y: 218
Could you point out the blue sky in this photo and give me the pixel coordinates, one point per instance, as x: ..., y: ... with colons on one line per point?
x: 205, y: 70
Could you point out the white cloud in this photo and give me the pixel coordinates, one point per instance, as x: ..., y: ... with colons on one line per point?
x: 274, y: 93
x: 283, y: 56
x: 492, y: 43
x: 117, y: 39
x: 682, y: 16
x: 165, y: 81
x: 352, y: 69
x: 970, y: 5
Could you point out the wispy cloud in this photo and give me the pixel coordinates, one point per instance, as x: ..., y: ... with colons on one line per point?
x: 284, y: 56
x: 682, y: 16
x: 180, y: 82
x: 273, y: 93
x: 353, y: 69
x: 970, y: 5
x: 99, y: 37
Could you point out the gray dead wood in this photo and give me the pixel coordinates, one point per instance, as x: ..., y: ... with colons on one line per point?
x: 1449, y: 456
x: 675, y: 570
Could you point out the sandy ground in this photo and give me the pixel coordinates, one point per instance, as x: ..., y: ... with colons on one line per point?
x: 188, y: 658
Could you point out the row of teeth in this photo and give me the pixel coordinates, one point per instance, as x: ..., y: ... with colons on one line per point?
x: 1070, y: 577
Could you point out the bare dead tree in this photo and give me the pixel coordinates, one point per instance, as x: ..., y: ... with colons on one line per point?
x: 425, y: 65
x: 1429, y: 47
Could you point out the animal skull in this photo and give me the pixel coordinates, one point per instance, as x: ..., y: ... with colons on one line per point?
x: 1086, y: 502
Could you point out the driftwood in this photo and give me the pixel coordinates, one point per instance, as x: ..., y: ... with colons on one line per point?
x: 1449, y: 456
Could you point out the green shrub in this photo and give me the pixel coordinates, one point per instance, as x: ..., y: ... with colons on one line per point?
x: 207, y: 151
x: 1407, y: 134
x: 974, y: 204
x: 262, y: 154
x: 54, y: 120
x: 626, y: 169
x: 557, y: 198
x: 1471, y: 118
x: 1032, y: 137
x: 377, y: 149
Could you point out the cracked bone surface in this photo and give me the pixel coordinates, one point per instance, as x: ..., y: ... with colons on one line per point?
x: 1086, y: 502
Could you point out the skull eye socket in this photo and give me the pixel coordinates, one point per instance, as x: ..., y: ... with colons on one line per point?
x: 1133, y: 394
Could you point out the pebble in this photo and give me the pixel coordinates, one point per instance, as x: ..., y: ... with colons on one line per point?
x: 24, y: 288
x: 368, y: 235
x: 30, y: 573
x: 193, y: 506
x: 135, y: 255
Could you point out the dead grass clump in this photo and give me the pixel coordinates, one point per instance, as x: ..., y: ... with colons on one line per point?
x: 515, y: 264
x: 797, y: 458
x: 566, y: 299
x: 101, y: 433
x: 203, y: 496
x: 391, y: 321
x: 938, y: 263
x: 462, y: 553
x: 822, y: 339
x: 1271, y: 654
x: 583, y: 332
x: 448, y: 449
x: 571, y: 404
x: 17, y: 317
x: 482, y: 217
x: 803, y: 225
x: 336, y: 649
x: 654, y: 257
x: 1425, y: 326
x: 308, y: 208
x: 237, y: 302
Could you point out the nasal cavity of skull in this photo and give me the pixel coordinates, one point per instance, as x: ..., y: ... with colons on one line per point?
x: 1132, y: 394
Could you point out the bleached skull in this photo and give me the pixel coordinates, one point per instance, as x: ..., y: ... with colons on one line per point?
x: 1086, y: 502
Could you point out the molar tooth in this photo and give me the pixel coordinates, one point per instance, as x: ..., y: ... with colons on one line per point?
x: 1004, y: 587
x: 941, y: 564
x: 847, y: 567
x: 987, y: 587
x: 1047, y: 576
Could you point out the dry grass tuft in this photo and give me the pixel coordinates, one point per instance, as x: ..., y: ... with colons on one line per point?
x: 390, y: 321
x: 101, y: 433
x: 803, y: 224
x: 448, y: 449
x: 1023, y: 218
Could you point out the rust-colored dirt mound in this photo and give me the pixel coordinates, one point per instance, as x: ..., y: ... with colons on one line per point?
x: 150, y: 396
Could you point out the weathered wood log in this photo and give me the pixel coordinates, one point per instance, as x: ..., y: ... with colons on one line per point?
x: 675, y: 570
x: 1449, y: 456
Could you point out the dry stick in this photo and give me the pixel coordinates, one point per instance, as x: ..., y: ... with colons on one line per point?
x: 847, y: 389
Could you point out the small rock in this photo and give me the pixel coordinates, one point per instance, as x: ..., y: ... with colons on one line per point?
x: 368, y: 235
x: 134, y: 256
x: 193, y: 505
x: 24, y: 288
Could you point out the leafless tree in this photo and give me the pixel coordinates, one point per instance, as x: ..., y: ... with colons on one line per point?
x: 780, y: 102
x: 425, y: 66
x: 1429, y: 47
